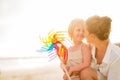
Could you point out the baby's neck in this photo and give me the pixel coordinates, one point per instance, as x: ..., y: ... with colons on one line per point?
x: 77, y: 43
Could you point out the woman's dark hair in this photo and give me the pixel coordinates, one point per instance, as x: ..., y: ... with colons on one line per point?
x: 100, y: 26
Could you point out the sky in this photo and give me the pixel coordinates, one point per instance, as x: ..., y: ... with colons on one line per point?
x: 22, y: 21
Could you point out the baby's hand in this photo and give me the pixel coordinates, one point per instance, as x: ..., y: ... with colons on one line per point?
x: 68, y: 68
x: 65, y: 77
x: 70, y: 71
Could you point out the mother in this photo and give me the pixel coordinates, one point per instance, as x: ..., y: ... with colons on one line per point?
x: 105, y: 64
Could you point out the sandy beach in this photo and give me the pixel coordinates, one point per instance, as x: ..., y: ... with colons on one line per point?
x: 36, y: 70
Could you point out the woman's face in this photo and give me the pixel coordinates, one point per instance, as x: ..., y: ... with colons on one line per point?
x: 87, y: 34
x: 78, y: 33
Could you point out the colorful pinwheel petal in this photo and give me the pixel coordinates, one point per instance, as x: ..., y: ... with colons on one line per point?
x: 54, y: 46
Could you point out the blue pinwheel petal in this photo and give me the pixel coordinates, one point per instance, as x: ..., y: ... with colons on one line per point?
x: 45, y: 48
x: 51, y: 46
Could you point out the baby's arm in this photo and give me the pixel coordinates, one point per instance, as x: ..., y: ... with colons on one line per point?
x: 86, y: 52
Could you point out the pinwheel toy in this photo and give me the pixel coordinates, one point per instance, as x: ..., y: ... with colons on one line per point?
x: 53, y: 44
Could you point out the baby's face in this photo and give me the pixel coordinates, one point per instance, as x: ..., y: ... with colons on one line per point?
x: 78, y: 33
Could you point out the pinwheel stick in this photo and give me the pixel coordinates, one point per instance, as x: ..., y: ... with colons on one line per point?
x: 55, y: 41
x: 64, y: 68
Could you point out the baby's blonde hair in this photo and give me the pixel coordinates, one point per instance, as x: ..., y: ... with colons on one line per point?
x: 73, y: 24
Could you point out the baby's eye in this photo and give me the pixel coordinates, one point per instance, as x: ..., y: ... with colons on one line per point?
x: 78, y: 30
x: 83, y: 31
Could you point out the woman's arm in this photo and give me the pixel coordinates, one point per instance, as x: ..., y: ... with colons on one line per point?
x: 114, y: 70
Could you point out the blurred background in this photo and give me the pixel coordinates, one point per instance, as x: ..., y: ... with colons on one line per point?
x: 22, y: 21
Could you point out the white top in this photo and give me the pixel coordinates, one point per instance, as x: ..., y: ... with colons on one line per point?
x: 110, y: 66
x: 74, y: 57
